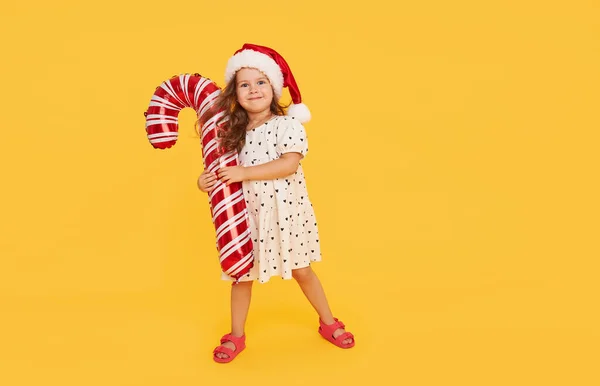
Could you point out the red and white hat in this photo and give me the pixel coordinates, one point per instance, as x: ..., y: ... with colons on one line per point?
x: 275, y: 68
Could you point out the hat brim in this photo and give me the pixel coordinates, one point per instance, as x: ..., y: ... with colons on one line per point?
x: 254, y: 59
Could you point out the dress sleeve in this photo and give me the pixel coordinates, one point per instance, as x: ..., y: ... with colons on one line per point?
x: 291, y: 137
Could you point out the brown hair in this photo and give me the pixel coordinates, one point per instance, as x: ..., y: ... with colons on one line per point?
x: 232, y: 132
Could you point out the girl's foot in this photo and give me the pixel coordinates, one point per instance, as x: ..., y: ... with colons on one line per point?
x: 339, y: 332
x: 335, y: 333
x: 230, y: 347
x: 229, y: 344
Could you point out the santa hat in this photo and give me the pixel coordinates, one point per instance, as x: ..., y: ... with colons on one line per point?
x: 275, y: 68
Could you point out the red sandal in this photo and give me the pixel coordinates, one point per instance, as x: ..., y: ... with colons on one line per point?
x: 240, y: 345
x: 327, y: 330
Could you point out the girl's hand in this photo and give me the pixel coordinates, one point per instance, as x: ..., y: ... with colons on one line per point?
x: 206, y: 181
x: 231, y: 174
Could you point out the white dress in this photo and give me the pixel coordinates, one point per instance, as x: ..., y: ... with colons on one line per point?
x: 283, y: 225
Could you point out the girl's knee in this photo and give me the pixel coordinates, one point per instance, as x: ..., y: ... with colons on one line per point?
x: 243, y: 285
x: 302, y: 274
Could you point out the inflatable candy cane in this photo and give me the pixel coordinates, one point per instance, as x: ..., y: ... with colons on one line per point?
x: 228, y: 208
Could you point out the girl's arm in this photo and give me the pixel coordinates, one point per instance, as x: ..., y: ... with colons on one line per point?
x: 284, y: 166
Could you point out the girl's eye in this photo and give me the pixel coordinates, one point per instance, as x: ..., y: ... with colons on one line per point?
x: 261, y: 82
x: 243, y: 84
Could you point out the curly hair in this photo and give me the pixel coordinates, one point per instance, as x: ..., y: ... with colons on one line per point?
x: 231, y: 128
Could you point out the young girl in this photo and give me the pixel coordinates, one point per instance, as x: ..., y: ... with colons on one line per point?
x: 270, y: 145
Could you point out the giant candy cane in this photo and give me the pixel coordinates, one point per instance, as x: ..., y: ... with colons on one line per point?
x: 228, y: 207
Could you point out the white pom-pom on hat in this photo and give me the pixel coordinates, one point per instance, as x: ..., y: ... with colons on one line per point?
x: 300, y: 112
x: 276, y: 69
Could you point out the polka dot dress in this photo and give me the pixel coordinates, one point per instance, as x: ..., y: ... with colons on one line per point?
x: 283, y: 225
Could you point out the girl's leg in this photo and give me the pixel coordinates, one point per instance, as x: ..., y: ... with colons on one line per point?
x: 240, y: 304
x: 313, y: 290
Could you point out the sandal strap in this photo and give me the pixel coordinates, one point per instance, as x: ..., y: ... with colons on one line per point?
x: 223, y: 350
x: 330, y: 328
x: 344, y: 336
x: 237, y: 341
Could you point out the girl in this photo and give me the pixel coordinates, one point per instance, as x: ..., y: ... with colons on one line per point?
x: 282, y: 221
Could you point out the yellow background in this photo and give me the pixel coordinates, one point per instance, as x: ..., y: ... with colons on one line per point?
x: 453, y: 167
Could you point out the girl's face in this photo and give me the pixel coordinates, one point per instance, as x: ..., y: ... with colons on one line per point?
x: 253, y: 89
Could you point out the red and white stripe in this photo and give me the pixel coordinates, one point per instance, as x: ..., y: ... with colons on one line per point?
x: 228, y: 207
